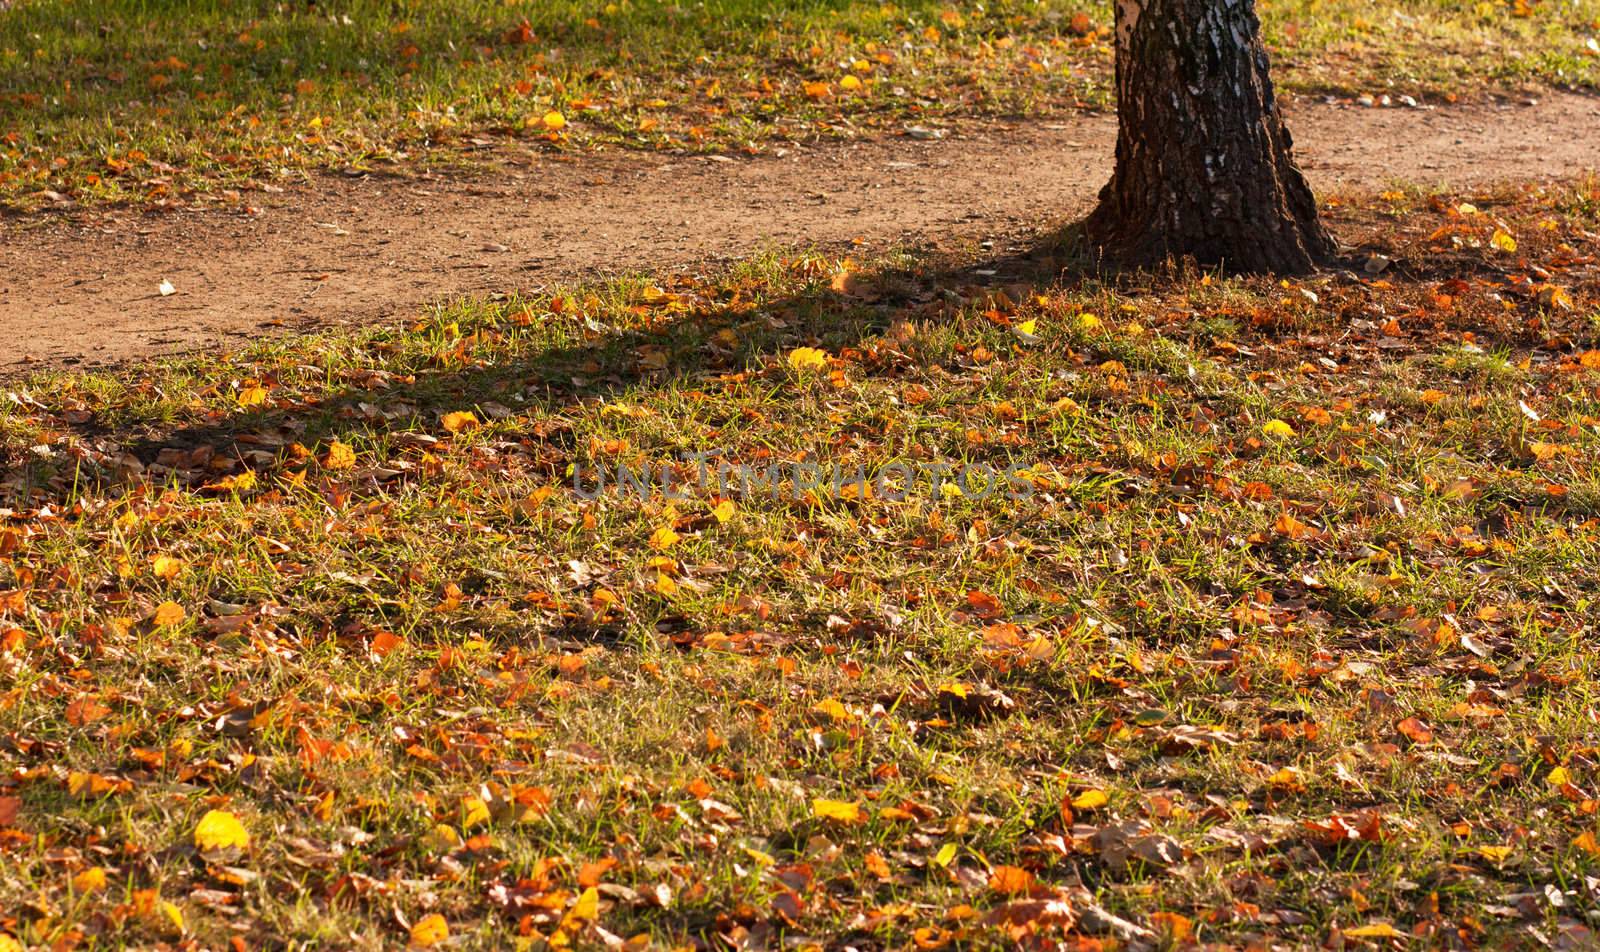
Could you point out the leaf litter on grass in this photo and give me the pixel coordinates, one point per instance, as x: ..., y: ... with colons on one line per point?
x: 317, y: 642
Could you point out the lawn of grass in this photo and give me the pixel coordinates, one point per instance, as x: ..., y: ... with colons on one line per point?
x: 149, y: 101
x: 1294, y: 636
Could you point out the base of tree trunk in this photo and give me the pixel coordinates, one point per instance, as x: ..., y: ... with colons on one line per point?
x: 1205, y: 168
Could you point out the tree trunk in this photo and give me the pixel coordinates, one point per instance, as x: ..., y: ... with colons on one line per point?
x: 1204, y: 165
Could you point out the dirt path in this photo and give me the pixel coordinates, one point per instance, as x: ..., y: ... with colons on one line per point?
x: 360, y: 250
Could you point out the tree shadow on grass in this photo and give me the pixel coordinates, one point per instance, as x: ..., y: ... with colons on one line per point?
x: 684, y: 350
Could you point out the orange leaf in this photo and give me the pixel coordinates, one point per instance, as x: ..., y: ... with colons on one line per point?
x: 429, y: 931
x: 168, y: 614
x: 1010, y: 880
x: 340, y: 456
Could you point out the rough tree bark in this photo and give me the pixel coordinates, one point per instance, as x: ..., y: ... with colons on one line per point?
x: 1204, y: 165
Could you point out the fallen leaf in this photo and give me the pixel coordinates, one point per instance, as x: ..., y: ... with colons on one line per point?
x: 842, y: 811
x: 339, y: 456
x: 220, y: 830
x: 91, y: 880
x: 807, y: 358
x: 458, y: 421
x: 1377, y: 930
x: 1010, y: 880
x: 168, y: 614
x: 1090, y: 800
x: 429, y: 931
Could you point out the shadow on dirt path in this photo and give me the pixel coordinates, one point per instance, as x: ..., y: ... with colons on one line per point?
x: 351, y: 251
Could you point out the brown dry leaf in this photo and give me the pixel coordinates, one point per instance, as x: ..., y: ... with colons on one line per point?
x: 1124, y: 843
x: 1339, y: 829
x: 1187, y: 738
x: 85, y: 711
x: 1022, y: 917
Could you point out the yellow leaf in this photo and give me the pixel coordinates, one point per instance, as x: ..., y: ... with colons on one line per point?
x: 664, y: 585
x: 340, y: 456
x: 173, y: 913
x: 1277, y: 428
x: 946, y: 853
x: 1287, y: 778
x: 1494, y: 854
x: 724, y: 510
x: 1378, y: 930
x: 663, y: 538
x: 849, y: 82
x: 239, y: 483
x: 220, y: 830
x: 1502, y: 240
x: 834, y: 710
x: 1558, y: 776
x: 807, y: 358
x: 168, y: 614
x: 443, y: 838
x: 458, y: 421
x: 90, y: 880
x: 8, y: 944
x: 251, y: 396
x: 842, y: 811
x: 1554, y: 296
x: 758, y: 857
x: 429, y: 931
x: 165, y: 566
x: 587, y: 908
x: 474, y: 812
x: 1088, y: 322
x: 554, y: 121
x: 1090, y: 800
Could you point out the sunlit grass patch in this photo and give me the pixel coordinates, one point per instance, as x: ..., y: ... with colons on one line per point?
x: 152, y: 101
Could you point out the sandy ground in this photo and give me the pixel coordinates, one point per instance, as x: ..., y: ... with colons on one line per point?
x: 86, y: 288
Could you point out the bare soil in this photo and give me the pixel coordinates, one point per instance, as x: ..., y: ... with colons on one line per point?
x: 85, y: 288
